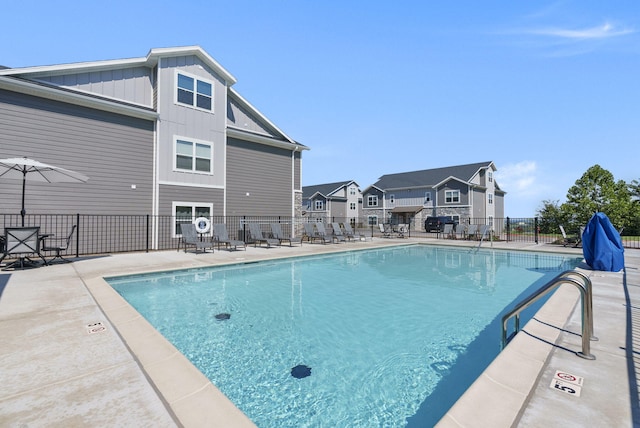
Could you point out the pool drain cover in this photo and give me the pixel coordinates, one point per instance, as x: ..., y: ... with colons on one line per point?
x: 222, y: 317
x: 301, y: 371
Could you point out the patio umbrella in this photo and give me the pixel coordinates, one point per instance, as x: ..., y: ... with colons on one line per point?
x: 29, y: 169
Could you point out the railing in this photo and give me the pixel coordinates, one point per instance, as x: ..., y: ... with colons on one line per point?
x: 583, y: 284
x: 104, y: 234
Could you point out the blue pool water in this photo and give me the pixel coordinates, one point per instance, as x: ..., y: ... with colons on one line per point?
x: 392, y: 337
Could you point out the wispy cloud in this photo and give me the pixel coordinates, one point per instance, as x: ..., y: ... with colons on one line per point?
x: 604, y: 31
x: 519, y: 178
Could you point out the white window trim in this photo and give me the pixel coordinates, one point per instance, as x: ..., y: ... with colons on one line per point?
x: 194, y: 141
x: 374, y: 218
x: 370, y: 198
x: 490, y: 198
x: 392, y: 199
x: 193, y: 206
x: 318, y: 205
x: 195, y: 91
x: 453, y: 199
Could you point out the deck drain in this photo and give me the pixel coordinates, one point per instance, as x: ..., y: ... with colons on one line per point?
x: 301, y: 371
x: 222, y: 317
x: 96, y: 327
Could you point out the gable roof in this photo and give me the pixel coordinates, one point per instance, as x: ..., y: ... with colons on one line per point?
x: 324, y: 189
x: 151, y: 60
x: 431, y: 177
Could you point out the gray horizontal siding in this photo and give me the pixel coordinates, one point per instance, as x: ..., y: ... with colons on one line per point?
x: 168, y: 194
x: 114, y: 151
x: 262, y: 171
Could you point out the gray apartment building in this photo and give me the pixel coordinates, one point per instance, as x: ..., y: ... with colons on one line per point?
x: 164, y: 134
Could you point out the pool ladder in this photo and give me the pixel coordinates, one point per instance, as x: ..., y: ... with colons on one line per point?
x: 583, y: 283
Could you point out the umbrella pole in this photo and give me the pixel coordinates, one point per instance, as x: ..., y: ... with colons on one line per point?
x: 24, y: 181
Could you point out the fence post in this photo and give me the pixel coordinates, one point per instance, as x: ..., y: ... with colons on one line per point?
x: 78, y: 235
x: 508, y: 229
x: 535, y: 222
x: 147, y: 228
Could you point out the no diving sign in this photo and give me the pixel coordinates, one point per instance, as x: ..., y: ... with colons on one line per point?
x: 567, y: 383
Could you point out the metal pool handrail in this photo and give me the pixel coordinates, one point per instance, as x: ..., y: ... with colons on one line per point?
x: 583, y: 283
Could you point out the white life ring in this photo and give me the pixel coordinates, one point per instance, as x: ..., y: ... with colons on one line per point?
x: 202, y: 224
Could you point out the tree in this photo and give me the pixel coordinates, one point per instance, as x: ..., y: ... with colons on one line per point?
x: 551, y: 216
x: 596, y: 191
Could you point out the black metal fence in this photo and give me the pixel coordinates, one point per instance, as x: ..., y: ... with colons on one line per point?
x: 104, y: 234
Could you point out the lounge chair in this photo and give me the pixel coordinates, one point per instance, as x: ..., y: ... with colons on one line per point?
x: 221, y: 236
x: 472, y: 231
x: 337, y: 232
x: 312, y: 234
x: 448, y: 230
x: 323, y: 232
x: 402, y: 229
x: 21, y: 242
x: 276, y: 231
x: 566, y: 240
x: 350, y: 233
x: 58, y: 245
x: 190, y: 238
x: 483, y: 232
x: 258, y: 238
x: 461, y: 230
x: 385, y: 230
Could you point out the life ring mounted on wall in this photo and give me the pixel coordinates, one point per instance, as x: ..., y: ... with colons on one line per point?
x: 202, y: 224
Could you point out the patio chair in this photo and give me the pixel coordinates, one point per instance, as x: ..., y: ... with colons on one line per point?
x: 190, y: 238
x: 385, y: 230
x: 566, y: 240
x: 21, y: 242
x: 460, y: 232
x: 276, y: 231
x: 472, y: 231
x: 258, y: 237
x: 448, y: 230
x: 58, y: 245
x: 221, y: 236
x: 323, y: 232
x: 337, y: 232
x: 351, y: 234
x: 402, y: 229
x: 312, y: 234
x: 483, y: 231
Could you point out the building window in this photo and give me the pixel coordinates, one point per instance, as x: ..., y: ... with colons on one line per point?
x: 490, y: 221
x: 372, y: 220
x: 490, y: 176
x: 319, y: 206
x: 456, y: 219
x: 372, y: 201
x: 193, y: 156
x: 194, y: 92
x: 392, y: 199
x: 490, y: 198
x: 427, y: 197
x: 451, y: 196
x: 352, y: 206
x: 187, y: 212
x: 352, y: 190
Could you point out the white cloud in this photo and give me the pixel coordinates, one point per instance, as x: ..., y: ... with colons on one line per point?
x: 604, y: 31
x: 519, y: 178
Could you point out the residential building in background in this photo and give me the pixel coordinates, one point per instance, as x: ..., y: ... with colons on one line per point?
x: 463, y: 192
x: 341, y: 201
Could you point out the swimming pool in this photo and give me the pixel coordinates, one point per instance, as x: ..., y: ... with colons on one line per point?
x: 392, y: 337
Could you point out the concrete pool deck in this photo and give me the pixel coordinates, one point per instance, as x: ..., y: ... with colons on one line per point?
x: 76, y: 354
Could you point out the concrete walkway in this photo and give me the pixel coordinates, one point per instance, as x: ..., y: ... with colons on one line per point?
x: 75, y: 354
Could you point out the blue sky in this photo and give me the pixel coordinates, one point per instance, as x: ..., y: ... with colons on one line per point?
x: 544, y: 89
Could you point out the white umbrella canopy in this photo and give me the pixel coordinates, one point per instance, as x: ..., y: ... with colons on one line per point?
x: 28, y: 169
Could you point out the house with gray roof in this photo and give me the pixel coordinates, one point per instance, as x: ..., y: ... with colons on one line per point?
x: 164, y: 134
x: 340, y: 201
x: 468, y: 193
